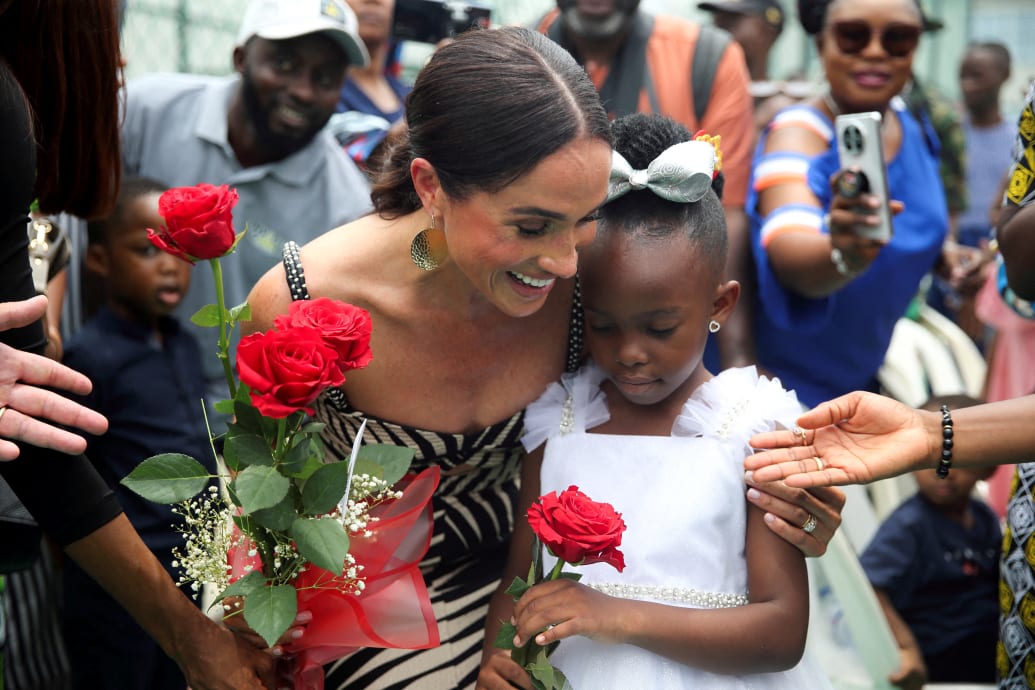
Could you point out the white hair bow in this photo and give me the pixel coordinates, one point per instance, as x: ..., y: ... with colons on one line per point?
x: 681, y: 173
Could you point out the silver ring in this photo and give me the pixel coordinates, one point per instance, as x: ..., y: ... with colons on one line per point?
x: 810, y: 525
x: 800, y: 433
x: 819, y: 462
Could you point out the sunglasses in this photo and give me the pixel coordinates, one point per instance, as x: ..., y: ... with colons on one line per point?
x: 897, y: 40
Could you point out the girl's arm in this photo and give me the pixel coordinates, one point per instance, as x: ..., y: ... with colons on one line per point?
x: 498, y: 672
x: 766, y: 635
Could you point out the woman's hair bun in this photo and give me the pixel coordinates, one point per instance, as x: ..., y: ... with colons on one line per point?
x: 811, y: 14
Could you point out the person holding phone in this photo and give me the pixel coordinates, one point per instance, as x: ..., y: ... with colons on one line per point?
x: 830, y: 286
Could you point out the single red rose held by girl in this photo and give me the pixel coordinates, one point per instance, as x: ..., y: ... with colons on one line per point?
x: 345, y: 327
x: 577, y: 529
x: 287, y: 369
x: 199, y: 222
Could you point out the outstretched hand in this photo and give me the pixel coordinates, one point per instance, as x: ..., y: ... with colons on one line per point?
x: 854, y: 439
x: 24, y: 400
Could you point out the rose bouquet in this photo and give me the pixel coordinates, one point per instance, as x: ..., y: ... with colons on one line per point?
x: 293, y: 528
x: 576, y: 530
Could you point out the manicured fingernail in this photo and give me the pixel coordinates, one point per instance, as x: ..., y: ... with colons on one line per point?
x: 748, y: 476
x: 540, y: 639
x: 754, y: 494
x: 277, y: 651
x: 304, y: 617
x: 769, y: 517
x: 517, y: 641
x: 295, y: 634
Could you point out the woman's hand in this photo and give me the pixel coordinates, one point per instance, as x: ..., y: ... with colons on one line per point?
x: 964, y: 267
x: 789, y: 510
x: 851, y: 218
x: 911, y: 673
x: 233, y: 618
x: 855, y: 439
x: 23, y: 398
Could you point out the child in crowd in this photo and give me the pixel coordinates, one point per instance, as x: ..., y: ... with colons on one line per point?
x: 934, y: 563
x: 709, y: 597
x: 146, y: 375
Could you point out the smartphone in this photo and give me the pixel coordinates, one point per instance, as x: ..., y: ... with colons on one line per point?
x: 430, y: 21
x: 861, y: 151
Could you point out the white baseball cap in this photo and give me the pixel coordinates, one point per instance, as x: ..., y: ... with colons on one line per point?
x: 276, y: 20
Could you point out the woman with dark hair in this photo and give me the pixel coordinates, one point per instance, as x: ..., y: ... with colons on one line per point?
x: 830, y: 296
x: 59, y: 116
x: 467, y: 267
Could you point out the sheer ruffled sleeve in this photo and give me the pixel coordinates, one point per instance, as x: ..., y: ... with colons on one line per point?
x: 737, y: 404
x: 576, y: 403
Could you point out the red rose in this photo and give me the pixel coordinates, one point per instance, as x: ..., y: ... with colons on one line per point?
x: 345, y: 327
x: 287, y: 369
x: 577, y: 529
x: 199, y: 222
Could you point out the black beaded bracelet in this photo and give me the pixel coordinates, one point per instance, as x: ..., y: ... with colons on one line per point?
x: 946, y: 460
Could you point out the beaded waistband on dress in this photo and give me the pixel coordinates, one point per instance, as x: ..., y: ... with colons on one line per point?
x: 709, y: 600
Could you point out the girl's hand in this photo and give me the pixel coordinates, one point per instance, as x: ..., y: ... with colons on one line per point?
x: 855, y: 439
x: 561, y: 608
x: 499, y: 672
x: 911, y: 673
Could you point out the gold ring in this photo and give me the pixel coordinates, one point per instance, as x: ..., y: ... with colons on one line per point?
x: 819, y: 462
x: 3, y: 408
x: 800, y: 433
x: 810, y: 525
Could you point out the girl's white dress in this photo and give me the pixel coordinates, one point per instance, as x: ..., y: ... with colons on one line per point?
x: 682, y: 499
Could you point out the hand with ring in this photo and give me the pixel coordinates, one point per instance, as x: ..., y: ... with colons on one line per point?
x: 24, y: 400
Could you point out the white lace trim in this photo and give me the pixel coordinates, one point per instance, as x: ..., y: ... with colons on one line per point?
x: 708, y: 600
x: 576, y: 403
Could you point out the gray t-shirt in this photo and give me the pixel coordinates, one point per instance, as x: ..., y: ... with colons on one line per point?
x: 175, y: 131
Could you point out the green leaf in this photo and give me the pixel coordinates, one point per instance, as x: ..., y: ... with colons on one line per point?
x: 279, y: 517
x: 244, y: 448
x: 168, y: 478
x: 251, y: 582
x: 535, y: 571
x: 321, y: 541
x: 224, y: 406
x: 242, y: 312
x: 394, y: 460
x: 517, y: 588
x: 245, y: 415
x: 565, y: 575
x: 295, y: 460
x: 313, y: 428
x: 271, y: 610
x: 505, y: 637
x: 206, y: 317
x: 541, y: 670
x: 325, y: 488
x: 260, y: 487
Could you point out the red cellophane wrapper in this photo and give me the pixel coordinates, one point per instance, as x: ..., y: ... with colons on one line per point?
x: 393, y: 611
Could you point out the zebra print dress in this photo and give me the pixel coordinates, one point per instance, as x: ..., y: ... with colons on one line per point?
x: 473, y: 520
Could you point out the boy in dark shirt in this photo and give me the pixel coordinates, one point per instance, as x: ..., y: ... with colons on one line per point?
x: 934, y: 563
x: 147, y: 381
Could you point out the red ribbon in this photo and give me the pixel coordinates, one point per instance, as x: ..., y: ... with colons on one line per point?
x: 393, y: 610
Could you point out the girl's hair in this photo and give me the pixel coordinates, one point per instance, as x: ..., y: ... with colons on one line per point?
x: 65, y: 57
x: 99, y: 230
x: 813, y: 14
x: 485, y: 110
x: 641, y: 138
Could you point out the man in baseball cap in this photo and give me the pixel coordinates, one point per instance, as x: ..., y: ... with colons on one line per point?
x: 276, y: 20
x: 754, y: 24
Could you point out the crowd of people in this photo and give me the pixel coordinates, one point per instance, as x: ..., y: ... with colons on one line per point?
x: 602, y: 246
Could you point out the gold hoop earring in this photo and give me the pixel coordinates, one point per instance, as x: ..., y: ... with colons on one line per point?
x: 428, y: 248
x: 714, y: 326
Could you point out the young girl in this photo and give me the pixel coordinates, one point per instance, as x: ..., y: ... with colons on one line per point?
x: 709, y: 597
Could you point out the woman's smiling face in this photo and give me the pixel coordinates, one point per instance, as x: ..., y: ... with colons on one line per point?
x: 867, y: 48
x: 513, y: 244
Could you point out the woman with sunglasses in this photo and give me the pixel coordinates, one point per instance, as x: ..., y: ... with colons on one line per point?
x: 830, y: 297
